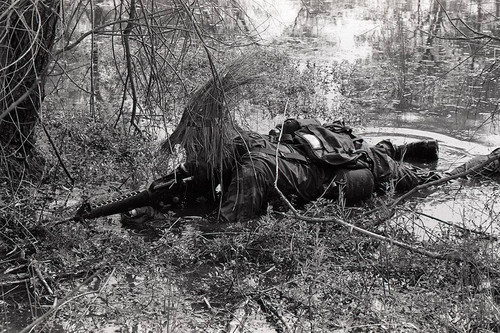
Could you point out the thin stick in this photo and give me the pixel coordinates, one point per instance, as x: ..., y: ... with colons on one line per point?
x: 53, y: 224
x: 60, y: 303
x: 56, y: 152
x: 268, y: 306
x: 16, y: 279
x: 40, y: 276
x: 278, y: 147
x: 464, y: 229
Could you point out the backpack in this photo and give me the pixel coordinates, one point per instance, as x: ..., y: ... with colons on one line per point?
x: 332, y: 144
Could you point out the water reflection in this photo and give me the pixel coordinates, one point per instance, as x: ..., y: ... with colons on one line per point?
x: 417, y: 78
x: 445, y: 85
x: 471, y: 204
x: 464, y: 204
x: 333, y: 31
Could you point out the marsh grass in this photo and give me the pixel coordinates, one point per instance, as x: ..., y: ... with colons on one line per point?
x: 298, y: 276
x: 275, y: 272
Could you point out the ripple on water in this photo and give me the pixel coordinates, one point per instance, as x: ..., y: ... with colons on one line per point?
x: 471, y: 204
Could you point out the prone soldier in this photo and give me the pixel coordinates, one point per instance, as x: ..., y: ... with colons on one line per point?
x: 303, y: 159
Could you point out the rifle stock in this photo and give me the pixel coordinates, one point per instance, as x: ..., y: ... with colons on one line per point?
x: 166, y: 192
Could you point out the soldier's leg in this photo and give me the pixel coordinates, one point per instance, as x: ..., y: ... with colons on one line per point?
x: 492, y: 168
x: 246, y: 196
x: 386, y: 171
x: 425, y: 150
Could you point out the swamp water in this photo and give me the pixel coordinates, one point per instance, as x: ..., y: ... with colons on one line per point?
x: 420, y: 86
x: 408, y: 85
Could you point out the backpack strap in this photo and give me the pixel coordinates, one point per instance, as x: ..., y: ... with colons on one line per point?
x: 284, y: 151
x: 254, y: 143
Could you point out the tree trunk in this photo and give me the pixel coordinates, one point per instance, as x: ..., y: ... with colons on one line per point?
x: 479, y: 15
x: 438, y: 12
x: 27, y: 34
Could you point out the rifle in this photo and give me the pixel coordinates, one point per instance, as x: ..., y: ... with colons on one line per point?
x: 162, y: 193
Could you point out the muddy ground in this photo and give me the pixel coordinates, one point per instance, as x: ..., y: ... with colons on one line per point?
x: 274, y: 274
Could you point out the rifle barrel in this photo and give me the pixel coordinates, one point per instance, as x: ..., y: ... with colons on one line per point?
x: 140, y: 199
x: 129, y: 201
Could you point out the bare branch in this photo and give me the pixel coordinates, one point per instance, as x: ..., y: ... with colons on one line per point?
x: 128, y: 58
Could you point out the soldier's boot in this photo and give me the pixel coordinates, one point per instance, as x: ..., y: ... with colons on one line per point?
x: 425, y: 150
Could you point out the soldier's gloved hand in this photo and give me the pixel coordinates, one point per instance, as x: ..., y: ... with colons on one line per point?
x: 137, y: 218
x: 147, y: 211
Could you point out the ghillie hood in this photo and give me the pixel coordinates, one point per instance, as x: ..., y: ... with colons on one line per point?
x: 207, y: 126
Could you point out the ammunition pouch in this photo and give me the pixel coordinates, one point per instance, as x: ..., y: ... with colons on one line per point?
x: 351, y: 185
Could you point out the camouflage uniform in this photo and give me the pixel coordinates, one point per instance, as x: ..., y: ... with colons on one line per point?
x: 353, y: 175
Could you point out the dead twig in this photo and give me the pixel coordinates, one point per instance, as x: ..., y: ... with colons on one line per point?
x: 53, y: 224
x: 207, y: 303
x: 268, y: 307
x: 52, y: 144
x: 9, y: 279
x: 463, y: 229
x: 276, y: 154
x: 34, y: 264
x: 61, y: 302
